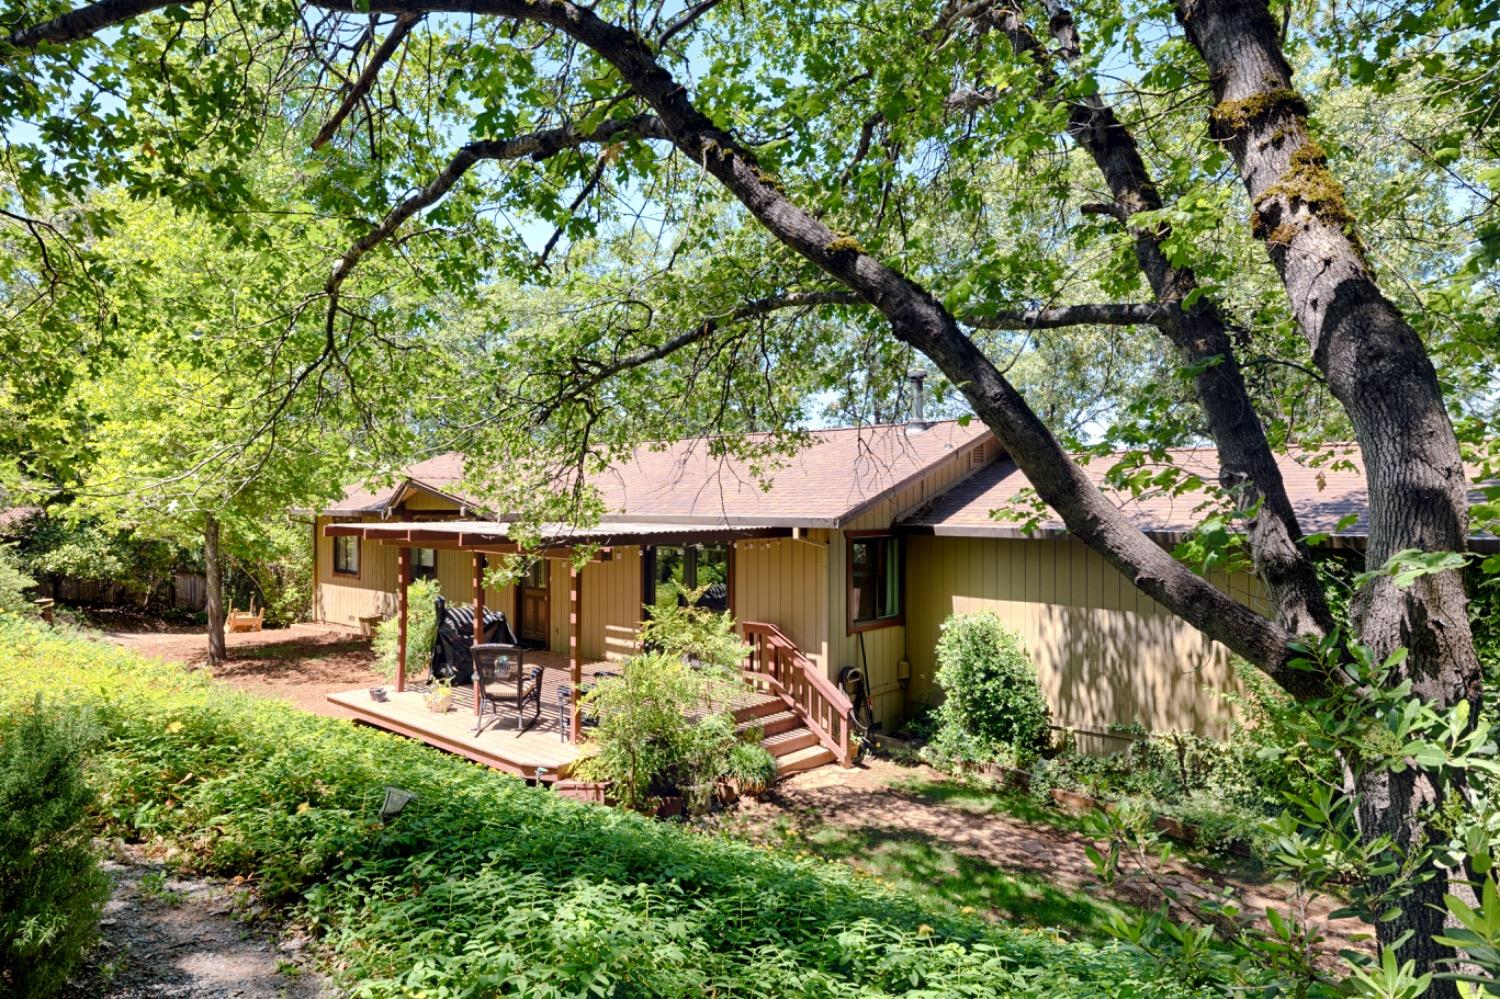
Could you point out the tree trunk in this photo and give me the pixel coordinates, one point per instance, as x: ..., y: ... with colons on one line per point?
x: 1201, y: 335
x: 214, y: 585
x: 1378, y: 368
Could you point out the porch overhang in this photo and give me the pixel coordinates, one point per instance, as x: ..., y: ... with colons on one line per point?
x: 556, y: 540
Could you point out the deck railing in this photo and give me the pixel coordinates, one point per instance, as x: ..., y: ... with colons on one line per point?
x: 823, y: 707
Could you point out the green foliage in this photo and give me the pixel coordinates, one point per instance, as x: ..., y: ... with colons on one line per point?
x: 13, y: 582
x: 59, y: 547
x: 680, y: 627
x: 662, y: 728
x: 486, y: 884
x: 993, y: 705
x: 51, y: 887
x: 421, y: 631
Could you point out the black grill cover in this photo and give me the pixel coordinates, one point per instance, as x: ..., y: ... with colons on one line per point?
x: 451, y: 658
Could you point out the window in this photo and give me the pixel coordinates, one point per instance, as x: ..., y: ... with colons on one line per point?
x: 688, y: 567
x: 346, y: 555
x: 875, y: 582
x: 424, y: 563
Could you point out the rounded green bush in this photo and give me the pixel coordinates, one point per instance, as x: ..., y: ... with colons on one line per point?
x: 992, y: 698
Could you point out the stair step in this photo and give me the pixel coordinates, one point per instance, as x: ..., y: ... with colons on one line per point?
x: 807, y: 758
x: 790, y: 741
x: 760, y: 708
x: 781, y: 721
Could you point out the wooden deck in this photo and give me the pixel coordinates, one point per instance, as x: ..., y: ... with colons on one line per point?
x: 538, y: 753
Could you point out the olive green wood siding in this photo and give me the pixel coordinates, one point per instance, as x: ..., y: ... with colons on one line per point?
x: 884, y: 648
x: 1106, y: 653
x: 784, y: 581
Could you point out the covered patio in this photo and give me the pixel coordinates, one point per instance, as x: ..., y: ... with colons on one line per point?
x: 547, y: 747
x: 539, y: 751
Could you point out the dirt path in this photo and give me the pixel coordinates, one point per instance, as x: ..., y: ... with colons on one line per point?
x: 300, y: 664
x: 882, y: 802
x: 171, y: 937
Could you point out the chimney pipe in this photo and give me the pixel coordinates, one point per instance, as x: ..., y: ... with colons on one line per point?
x: 918, y: 421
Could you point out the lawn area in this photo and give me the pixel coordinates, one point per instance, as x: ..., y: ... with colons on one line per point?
x: 972, y: 848
x: 486, y: 886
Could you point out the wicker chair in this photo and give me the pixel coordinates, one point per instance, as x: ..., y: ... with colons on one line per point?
x: 498, y: 666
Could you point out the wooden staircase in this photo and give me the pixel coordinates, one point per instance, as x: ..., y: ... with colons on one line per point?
x: 784, y: 733
x: 804, y: 716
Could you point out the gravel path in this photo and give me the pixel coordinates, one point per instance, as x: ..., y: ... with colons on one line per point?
x: 170, y: 937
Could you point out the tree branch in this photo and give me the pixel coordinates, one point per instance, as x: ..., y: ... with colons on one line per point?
x: 80, y: 23
x: 404, y: 24
x: 1105, y: 314
x: 534, y: 145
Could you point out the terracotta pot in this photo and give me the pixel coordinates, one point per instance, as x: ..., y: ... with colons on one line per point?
x: 595, y: 792
x: 668, y: 806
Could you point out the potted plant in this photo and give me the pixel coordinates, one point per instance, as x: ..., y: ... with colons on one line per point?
x: 439, y: 696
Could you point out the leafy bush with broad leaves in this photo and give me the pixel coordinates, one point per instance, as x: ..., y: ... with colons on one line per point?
x: 993, y: 706
x: 664, y: 729
x: 421, y: 631
x: 486, y: 886
x: 51, y: 887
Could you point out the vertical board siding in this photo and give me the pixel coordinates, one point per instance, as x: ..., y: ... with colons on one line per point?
x: 782, y: 581
x: 612, y: 606
x: 1106, y: 653
x: 884, y: 648
x: 344, y: 600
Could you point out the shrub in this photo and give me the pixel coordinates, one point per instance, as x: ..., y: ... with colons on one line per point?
x: 486, y: 886
x: 658, y: 733
x: 677, y: 626
x: 51, y: 887
x: 992, y: 701
x: 13, y: 583
x: 421, y: 630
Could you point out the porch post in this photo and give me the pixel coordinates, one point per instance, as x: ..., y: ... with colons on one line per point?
x: 729, y: 571
x: 575, y: 644
x: 403, y: 577
x: 478, y: 585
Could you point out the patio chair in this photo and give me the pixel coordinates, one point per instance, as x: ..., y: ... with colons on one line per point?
x: 565, y: 703
x: 496, y: 667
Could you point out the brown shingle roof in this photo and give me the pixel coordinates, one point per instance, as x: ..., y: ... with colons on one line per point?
x: 838, y: 473
x: 1322, y: 485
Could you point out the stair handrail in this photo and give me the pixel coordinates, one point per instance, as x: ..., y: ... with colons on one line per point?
x: 784, y: 654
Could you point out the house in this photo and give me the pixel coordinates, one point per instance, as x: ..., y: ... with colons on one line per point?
x: 866, y: 540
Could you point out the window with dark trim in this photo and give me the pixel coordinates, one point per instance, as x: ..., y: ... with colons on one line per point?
x: 346, y: 555
x: 689, y: 567
x: 875, y: 582
x: 424, y: 563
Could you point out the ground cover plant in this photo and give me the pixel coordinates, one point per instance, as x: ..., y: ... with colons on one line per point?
x: 484, y: 886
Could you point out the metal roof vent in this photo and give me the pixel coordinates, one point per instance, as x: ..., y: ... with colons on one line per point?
x: 918, y: 421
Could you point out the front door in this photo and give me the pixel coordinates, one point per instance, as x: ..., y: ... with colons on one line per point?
x: 536, y: 604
